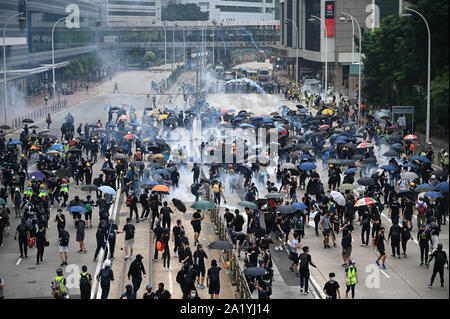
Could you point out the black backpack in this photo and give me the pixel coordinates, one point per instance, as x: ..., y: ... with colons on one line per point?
x: 64, y: 238
x: 303, y: 261
x: 84, y: 282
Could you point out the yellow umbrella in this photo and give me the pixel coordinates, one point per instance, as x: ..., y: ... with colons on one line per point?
x: 327, y: 112
x: 164, y: 116
x: 157, y: 156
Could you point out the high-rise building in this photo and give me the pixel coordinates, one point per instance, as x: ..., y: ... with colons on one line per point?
x: 133, y: 12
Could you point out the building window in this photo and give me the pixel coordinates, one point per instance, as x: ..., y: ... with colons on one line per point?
x: 239, y: 9
x: 133, y: 3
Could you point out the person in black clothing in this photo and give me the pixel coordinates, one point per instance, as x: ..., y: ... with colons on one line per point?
x: 405, y: 236
x: 41, y: 241
x: 157, y: 236
x: 394, y: 211
x: 395, y: 236
x: 176, y: 236
x: 199, y: 265
x: 331, y: 288
x: 85, y: 283
x: 365, y: 229
x: 213, y: 280
x: 196, y: 223
x: 424, y: 238
x: 143, y: 199
x: 149, y: 294
x: 375, y: 219
x: 112, y: 236
x: 154, y: 206
x: 129, y: 293
x: 196, y: 171
x: 304, y: 261
x: 380, y: 247
x: 229, y: 219
x: 238, y: 221
x: 135, y: 272
x: 165, y: 212
x: 166, y: 253
x: 186, y: 259
x: 24, y: 234
x: 132, y: 201
x: 101, y: 241
x: 439, y: 263
x: 161, y: 293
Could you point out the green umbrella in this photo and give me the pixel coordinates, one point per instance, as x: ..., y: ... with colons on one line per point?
x: 203, y: 205
x: 333, y: 161
x: 2, y: 201
x: 274, y: 195
x: 248, y: 204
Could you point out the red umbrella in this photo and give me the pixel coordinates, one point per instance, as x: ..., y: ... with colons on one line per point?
x: 130, y: 137
x: 365, y: 202
x: 410, y: 137
x: 323, y: 126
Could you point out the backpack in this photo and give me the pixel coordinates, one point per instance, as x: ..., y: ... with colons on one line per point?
x: 84, y: 282
x: 128, y: 202
x: 64, y: 238
x: 298, y: 224
x: 57, y: 290
x: 18, y: 199
x: 88, y: 207
x: 396, y: 232
x: 216, y: 188
x: 421, y: 208
x: 303, y: 261
x: 129, y: 232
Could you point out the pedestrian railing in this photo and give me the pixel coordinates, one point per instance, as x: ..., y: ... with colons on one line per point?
x: 39, y: 114
x: 234, y: 271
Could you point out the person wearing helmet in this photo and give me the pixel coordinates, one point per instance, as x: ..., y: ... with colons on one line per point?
x: 135, y: 272
x: 424, y: 237
x: 59, y: 286
x: 64, y: 192
x: 106, y: 277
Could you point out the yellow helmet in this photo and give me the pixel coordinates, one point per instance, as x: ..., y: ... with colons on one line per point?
x: 412, y: 184
x: 88, y: 164
x: 40, y: 153
x: 23, y: 155
x: 331, y: 165
x: 344, y: 148
x: 29, y: 184
x: 41, y: 186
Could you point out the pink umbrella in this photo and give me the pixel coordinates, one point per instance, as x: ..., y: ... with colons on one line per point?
x: 365, y: 202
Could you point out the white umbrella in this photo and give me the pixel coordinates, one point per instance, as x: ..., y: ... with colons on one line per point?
x: 338, y: 198
x: 287, y: 166
x: 409, y: 175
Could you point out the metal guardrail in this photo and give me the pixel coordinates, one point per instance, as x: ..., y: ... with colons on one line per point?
x: 38, y: 114
x: 236, y: 274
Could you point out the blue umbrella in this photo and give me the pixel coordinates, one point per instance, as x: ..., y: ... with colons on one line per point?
x: 433, y: 194
x: 442, y: 187
x: 56, y: 147
x: 304, y: 156
x: 161, y: 171
x: 308, y: 166
x: 150, y: 183
x: 107, y: 108
x: 350, y: 171
x: 107, y: 189
x: 298, y: 206
x: 110, y: 125
x: 238, y: 118
x: 411, y: 165
x: 425, y: 186
x: 389, y: 168
x: 37, y: 175
x: 134, y: 124
x: 420, y: 158
x: 267, y: 121
x: 244, y: 125
x: 14, y: 142
x: 342, y: 137
x: 77, y: 209
x: 340, y: 141
x: 304, y: 110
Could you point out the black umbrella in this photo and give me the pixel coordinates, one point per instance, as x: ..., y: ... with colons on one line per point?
x: 255, y: 271
x: 369, y: 161
x: 347, y: 162
x: 108, y: 170
x: 221, y: 245
x: 6, y: 127
x: 89, y: 188
x: 63, y: 172
x: 286, y: 210
x: 260, y: 202
x: 391, y: 154
x: 349, y: 145
x: 120, y: 156
x: 179, y: 205
x: 27, y: 121
x: 74, y: 150
x: 358, y: 157
x: 306, y: 147
x: 366, y: 181
x: 48, y: 173
x: 439, y: 173
x: 137, y: 163
x: 395, y: 138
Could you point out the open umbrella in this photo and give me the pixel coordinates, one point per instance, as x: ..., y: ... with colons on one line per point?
x: 420, y: 158
x: 179, y: 205
x: 350, y: 171
x: 410, y: 137
x: 2, y: 201
x: 347, y: 162
x: 424, y: 188
x: 327, y: 112
x: 338, y: 198
x: 409, y: 175
x: 333, y: 161
x: 308, y: 166
x: 63, y: 172
x: 108, y: 170
x: 287, y: 166
x: 89, y: 188
x: 161, y: 171
x: 48, y: 173
x: 203, y: 205
x: 137, y: 163
x: 37, y: 175
x: 120, y: 156
x: 107, y: 189
x: 255, y: 271
x: 366, y: 181
x: 442, y: 187
x: 365, y: 201
x: 220, y: 245
x: 304, y: 156
x: 364, y: 145
x: 274, y: 195
x: 299, y: 206
x: 14, y: 142
x: 160, y: 188
x: 389, y: 168
x: 77, y: 209
x: 57, y: 147
x: 439, y: 173
x: 433, y: 195
x: 27, y: 121
x: 391, y: 154
x: 286, y: 210
x: 248, y: 204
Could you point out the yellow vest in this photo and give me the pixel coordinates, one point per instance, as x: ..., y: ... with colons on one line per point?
x: 28, y: 192
x: 351, y: 276
x: 42, y: 193
x: 64, y: 188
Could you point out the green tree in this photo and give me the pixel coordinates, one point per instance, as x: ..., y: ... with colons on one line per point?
x: 183, y: 12
x: 149, y: 57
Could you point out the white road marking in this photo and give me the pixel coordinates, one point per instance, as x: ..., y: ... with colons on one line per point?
x: 384, y: 273
x: 18, y: 261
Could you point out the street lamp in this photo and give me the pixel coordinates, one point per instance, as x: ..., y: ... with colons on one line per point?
x: 342, y: 18
x: 4, y: 58
x: 165, y: 43
x: 296, y: 49
x: 53, y: 57
x: 326, y: 50
x: 429, y: 69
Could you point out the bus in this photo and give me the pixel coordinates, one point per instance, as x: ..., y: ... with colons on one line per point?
x: 252, y: 75
x: 219, y: 72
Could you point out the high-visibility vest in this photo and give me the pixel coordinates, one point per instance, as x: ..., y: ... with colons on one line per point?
x: 42, y: 193
x: 59, y: 280
x: 351, y: 276
x: 28, y: 192
x: 446, y: 160
x: 64, y: 188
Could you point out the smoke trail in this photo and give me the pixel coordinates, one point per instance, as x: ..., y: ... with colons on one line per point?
x: 251, y: 38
